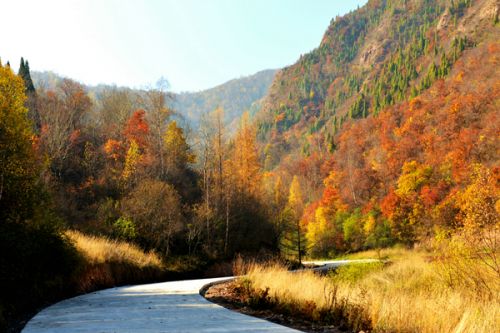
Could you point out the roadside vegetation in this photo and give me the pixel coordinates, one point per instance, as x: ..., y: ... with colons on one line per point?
x: 64, y: 265
x: 358, y: 146
x: 107, y: 263
x: 415, y: 291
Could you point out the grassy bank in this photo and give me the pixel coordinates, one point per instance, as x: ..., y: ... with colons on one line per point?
x: 107, y: 263
x: 40, y: 267
x: 412, y: 294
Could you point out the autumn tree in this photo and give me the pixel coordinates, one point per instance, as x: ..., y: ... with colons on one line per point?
x: 246, y: 160
x: 178, y: 155
x: 62, y: 116
x: 217, y: 176
x: 34, y: 255
x: 158, y: 114
x: 292, y: 242
x: 116, y: 107
x: 325, y: 233
x: 156, y: 211
x: 18, y: 169
x: 135, y: 147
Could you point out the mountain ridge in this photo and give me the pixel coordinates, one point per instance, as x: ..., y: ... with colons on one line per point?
x: 193, y: 105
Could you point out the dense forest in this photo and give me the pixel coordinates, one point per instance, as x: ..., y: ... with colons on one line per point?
x: 119, y: 168
x: 387, y: 133
x: 235, y: 96
x: 390, y: 127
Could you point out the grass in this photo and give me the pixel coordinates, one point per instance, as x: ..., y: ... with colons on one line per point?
x: 99, y: 250
x: 408, y: 295
x: 393, y: 253
x: 108, y: 263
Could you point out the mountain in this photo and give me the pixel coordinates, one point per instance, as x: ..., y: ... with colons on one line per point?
x: 234, y: 96
x: 377, y: 56
x: 391, y: 126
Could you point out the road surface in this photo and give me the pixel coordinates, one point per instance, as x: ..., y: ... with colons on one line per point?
x: 160, y: 307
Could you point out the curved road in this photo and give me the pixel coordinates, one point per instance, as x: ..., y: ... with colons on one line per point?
x: 160, y: 307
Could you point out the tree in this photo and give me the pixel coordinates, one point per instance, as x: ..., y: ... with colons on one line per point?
x: 178, y: 153
x: 292, y: 239
x: 353, y: 230
x: 479, y: 202
x: 325, y: 232
x: 132, y: 159
x: 155, y: 208
x: 18, y: 168
x: 63, y: 116
x: 31, y: 102
x: 246, y: 159
x: 158, y: 114
x: 117, y: 106
x: 137, y: 129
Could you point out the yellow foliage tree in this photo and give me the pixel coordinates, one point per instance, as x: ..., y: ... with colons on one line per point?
x: 292, y: 237
x: 412, y: 178
x: 18, y: 167
x: 246, y: 159
x: 477, y: 203
x: 131, y: 160
x: 178, y: 151
x: 295, y: 200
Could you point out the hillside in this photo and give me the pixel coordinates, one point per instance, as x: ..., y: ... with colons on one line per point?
x: 389, y: 126
x: 385, y: 52
x: 235, y: 96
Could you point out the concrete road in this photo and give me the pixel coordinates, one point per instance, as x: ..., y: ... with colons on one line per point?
x: 326, y: 265
x: 153, y: 308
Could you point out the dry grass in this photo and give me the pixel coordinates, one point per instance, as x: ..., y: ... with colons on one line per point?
x: 99, y: 250
x: 392, y: 253
x: 110, y: 263
x: 409, y: 295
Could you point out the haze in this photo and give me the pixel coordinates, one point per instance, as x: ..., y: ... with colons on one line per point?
x: 193, y: 44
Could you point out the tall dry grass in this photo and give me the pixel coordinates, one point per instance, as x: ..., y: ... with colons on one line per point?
x: 107, y: 263
x: 410, y: 295
x: 98, y: 250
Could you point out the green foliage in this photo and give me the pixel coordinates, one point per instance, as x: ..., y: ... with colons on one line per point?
x: 125, y: 228
x: 292, y: 238
x: 353, y: 230
x: 24, y: 73
x: 355, y: 272
x: 18, y: 169
x: 381, y: 236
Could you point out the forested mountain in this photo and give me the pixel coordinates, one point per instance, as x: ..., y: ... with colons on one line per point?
x: 235, y: 96
x: 390, y: 123
x: 383, y: 53
x: 387, y: 133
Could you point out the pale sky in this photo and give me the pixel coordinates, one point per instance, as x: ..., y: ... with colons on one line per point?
x: 194, y: 44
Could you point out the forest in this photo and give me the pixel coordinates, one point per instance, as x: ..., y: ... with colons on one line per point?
x: 387, y: 133
x: 122, y: 169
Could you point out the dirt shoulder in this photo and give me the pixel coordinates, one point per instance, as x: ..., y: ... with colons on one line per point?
x: 226, y: 295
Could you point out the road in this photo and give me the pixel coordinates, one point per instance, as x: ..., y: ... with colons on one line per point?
x: 326, y: 265
x: 160, y: 307
x: 152, y: 308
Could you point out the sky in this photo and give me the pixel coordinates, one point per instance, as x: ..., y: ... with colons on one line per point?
x: 194, y: 44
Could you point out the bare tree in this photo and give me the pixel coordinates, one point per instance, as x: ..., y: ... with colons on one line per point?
x: 155, y: 102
